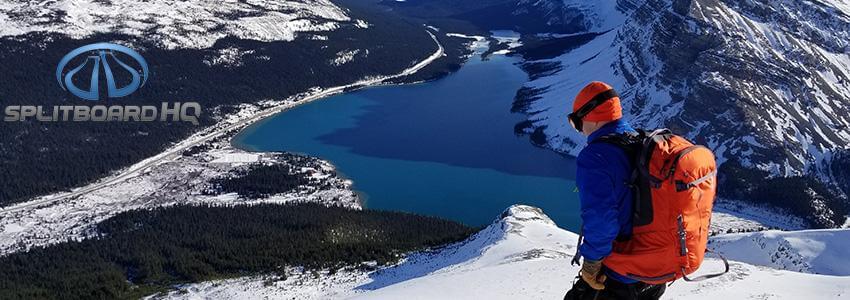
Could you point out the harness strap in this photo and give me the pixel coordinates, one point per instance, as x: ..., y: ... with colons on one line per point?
x: 656, y: 278
x: 577, y: 256
x: 685, y: 277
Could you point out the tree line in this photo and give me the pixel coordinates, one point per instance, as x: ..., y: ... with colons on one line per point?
x: 141, y: 252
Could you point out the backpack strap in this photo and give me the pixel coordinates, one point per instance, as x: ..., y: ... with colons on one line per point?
x: 653, y: 138
x: 682, y: 186
x: 708, y: 276
x: 577, y: 256
x: 648, y: 279
x: 685, y: 277
x: 638, y: 147
x: 626, y: 142
x: 624, y: 138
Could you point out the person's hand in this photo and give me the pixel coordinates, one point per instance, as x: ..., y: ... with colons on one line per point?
x: 590, y: 272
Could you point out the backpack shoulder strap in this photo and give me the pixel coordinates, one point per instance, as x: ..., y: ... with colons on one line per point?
x: 630, y: 142
x: 633, y: 144
x: 621, y: 139
x: 638, y: 147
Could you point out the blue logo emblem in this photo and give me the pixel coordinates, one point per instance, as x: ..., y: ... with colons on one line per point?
x: 98, y: 54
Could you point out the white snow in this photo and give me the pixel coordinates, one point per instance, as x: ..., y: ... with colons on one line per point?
x: 842, y: 5
x: 810, y: 251
x: 230, y: 57
x: 599, y: 15
x: 460, y: 35
x: 344, y: 57
x: 524, y: 255
x: 181, y: 181
x: 509, y: 37
x: 175, y: 23
x: 237, y: 157
x: 731, y: 216
x: 13, y: 228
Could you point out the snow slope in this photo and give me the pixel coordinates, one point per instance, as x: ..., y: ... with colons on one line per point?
x: 175, y: 23
x: 524, y: 255
x: 739, y: 216
x: 599, y: 15
x: 581, y: 14
x: 810, y: 251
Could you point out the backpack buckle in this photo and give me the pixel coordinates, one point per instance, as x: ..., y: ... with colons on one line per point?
x: 655, y: 184
x: 681, y: 186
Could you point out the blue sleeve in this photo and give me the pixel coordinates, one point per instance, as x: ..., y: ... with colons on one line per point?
x: 599, y: 207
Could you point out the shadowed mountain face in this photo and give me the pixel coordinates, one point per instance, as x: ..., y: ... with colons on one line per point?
x: 526, y: 16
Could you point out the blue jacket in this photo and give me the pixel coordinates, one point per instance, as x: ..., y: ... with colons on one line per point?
x: 606, y: 202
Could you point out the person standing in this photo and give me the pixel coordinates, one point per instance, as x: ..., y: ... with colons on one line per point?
x: 603, y: 172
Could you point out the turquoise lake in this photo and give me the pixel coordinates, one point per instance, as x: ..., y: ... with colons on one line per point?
x: 444, y: 148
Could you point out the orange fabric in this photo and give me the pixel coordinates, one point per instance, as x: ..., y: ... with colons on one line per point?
x: 654, y: 250
x: 608, y: 111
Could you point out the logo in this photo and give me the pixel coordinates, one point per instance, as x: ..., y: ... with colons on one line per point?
x: 112, y: 58
x: 100, y: 54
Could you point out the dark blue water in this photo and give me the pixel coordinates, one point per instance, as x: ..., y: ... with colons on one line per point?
x: 444, y: 148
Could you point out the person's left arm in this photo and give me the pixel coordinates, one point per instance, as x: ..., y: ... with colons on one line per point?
x: 599, y: 205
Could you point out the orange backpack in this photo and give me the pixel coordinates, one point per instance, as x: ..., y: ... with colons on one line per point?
x: 673, y: 183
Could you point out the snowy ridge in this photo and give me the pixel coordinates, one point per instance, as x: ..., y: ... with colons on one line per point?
x: 521, y: 235
x: 524, y: 255
x: 740, y: 216
x: 808, y: 251
x: 173, y: 23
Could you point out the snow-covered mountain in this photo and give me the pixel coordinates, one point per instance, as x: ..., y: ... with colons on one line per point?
x: 577, y: 15
x: 524, y: 255
x: 172, y: 23
x: 765, y: 84
x: 525, y: 16
x: 808, y: 251
x: 775, y: 69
